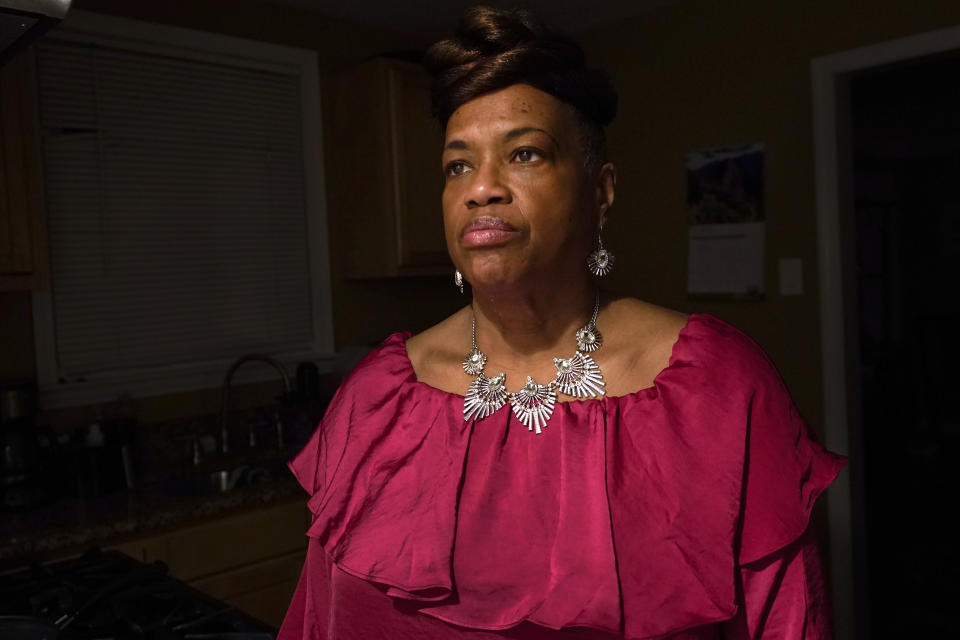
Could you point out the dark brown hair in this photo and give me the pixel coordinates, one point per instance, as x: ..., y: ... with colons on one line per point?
x: 495, y: 48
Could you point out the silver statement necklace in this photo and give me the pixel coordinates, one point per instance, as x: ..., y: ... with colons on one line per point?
x: 577, y: 376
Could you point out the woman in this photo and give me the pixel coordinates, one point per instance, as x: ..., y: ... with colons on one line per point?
x: 547, y: 463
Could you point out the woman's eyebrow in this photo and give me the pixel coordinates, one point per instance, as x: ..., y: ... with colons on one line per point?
x: 515, y: 133
x: 509, y: 135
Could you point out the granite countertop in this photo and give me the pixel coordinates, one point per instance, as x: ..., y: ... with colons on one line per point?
x: 75, y: 525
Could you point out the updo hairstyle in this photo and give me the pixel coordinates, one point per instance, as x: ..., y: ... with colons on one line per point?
x: 495, y: 48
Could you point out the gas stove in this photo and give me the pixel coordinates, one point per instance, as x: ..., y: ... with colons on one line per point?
x: 106, y: 595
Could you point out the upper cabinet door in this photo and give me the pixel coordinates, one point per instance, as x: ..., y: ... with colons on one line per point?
x: 383, y: 161
x: 23, y: 253
x: 419, y: 178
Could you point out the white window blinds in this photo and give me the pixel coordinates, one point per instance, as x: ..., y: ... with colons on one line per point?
x: 176, y: 208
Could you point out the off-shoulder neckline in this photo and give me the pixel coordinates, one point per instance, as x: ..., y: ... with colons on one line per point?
x: 650, y: 391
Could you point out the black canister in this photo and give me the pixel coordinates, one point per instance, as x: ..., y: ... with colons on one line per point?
x: 308, y: 381
x: 102, y: 462
x: 21, y: 473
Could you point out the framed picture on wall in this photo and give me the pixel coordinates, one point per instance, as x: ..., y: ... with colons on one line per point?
x: 726, y: 217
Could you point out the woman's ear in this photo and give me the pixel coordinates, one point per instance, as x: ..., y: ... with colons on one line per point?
x: 606, y: 188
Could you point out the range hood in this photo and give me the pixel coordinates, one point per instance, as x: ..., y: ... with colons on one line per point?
x: 23, y: 21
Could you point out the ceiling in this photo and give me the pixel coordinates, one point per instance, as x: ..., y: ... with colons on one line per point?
x: 434, y: 18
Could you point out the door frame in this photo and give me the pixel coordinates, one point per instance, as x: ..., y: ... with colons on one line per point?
x: 830, y: 76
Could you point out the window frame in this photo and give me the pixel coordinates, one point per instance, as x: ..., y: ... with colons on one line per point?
x: 82, y: 26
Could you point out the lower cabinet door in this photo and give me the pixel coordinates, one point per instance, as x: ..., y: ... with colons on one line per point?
x: 263, y: 589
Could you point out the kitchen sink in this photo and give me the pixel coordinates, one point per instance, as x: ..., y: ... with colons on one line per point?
x: 222, y: 480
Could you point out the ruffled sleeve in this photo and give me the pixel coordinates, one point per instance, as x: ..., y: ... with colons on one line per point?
x: 308, y: 614
x: 316, y: 463
x: 782, y: 596
x: 711, y: 470
x: 785, y: 468
x: 381, y: 471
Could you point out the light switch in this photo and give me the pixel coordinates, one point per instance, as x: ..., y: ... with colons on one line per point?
x: 791, y: 276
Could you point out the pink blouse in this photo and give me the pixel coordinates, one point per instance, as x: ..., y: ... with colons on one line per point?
x: 678, y: 511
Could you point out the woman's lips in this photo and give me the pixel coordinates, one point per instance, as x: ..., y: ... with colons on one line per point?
x: 487, y: 231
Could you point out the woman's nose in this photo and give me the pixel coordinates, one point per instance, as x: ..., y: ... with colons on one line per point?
x: 486, y: 187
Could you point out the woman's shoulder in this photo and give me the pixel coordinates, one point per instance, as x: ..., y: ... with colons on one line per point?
x: 631, y: 320
x: 638, y: 342
x: 658, y: 338
x: 432, y: 351
x: 723, y: 348
x: 384, y: 366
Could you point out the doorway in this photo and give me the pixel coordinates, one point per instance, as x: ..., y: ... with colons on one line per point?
x: 887, y: 143
x: 905, y: 164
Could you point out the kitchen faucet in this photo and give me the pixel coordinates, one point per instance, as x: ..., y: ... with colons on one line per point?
x: 224, y: 447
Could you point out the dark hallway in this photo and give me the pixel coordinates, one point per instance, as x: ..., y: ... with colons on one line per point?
x: 906, y: 160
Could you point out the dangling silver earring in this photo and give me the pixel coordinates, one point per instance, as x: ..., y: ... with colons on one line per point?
x: 600, y: 262
x: 458, y: 279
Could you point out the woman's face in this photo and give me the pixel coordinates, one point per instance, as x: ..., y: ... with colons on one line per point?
x: 518, y: 204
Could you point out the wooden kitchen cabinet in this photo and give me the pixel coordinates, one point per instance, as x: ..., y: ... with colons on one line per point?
x: 23, y: 244
x: 262, y: 589
x: 383, y: 161
x: 251, y: 560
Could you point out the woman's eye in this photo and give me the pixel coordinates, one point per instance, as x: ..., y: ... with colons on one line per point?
x: 526, y: 155
x: 456, y: 168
